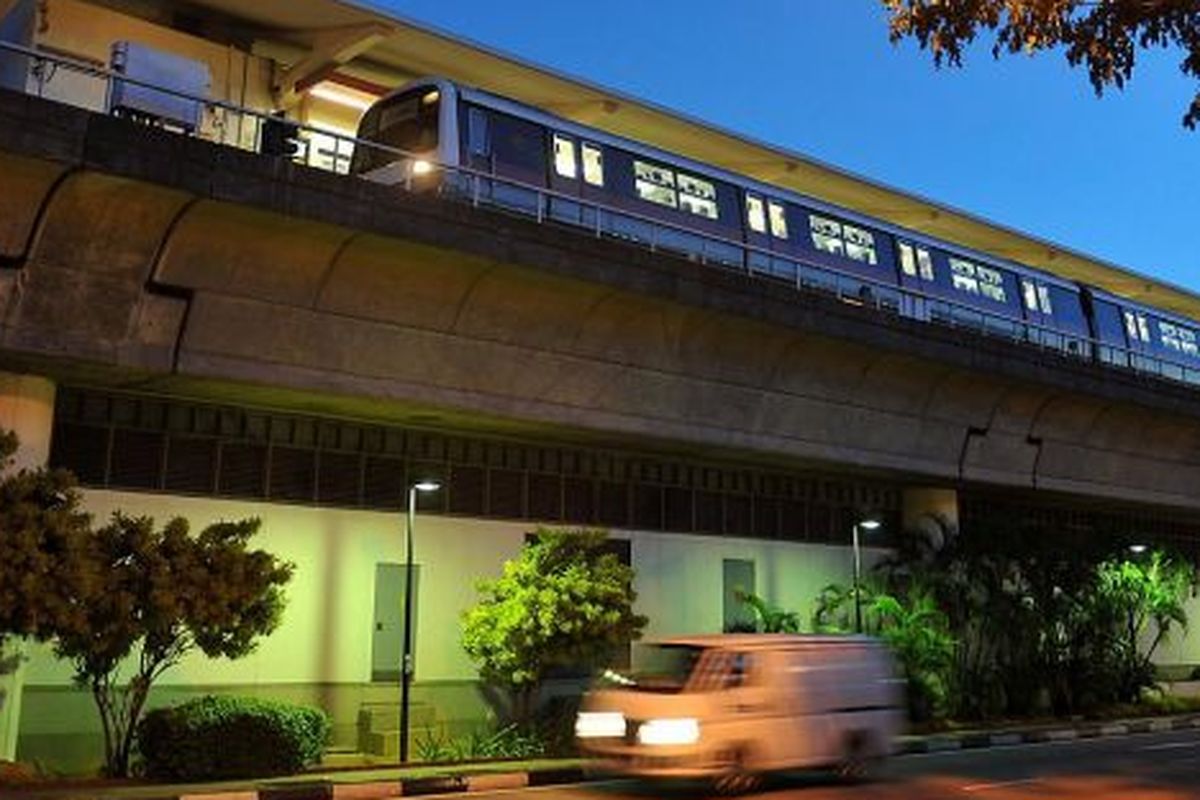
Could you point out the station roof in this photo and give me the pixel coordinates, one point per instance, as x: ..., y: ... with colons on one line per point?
x: 399, y: 48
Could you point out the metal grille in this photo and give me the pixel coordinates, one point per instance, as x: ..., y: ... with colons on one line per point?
x: 131, y: 441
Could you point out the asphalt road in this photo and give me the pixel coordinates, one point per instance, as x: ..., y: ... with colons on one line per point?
x: 1158, y: 766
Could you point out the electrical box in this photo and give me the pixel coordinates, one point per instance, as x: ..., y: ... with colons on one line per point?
x: 161, y: 69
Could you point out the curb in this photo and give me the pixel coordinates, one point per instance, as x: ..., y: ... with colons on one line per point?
x: 412, y: 787
x: 971, y: 740
x: 326, y: 789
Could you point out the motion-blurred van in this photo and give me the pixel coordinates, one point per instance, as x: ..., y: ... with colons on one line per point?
x: 733, y: 707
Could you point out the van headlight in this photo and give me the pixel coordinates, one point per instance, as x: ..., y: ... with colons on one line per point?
x: 599, y: 724
x: 669, y: 731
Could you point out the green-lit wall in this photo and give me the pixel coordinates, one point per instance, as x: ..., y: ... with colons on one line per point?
x: 322, y: 652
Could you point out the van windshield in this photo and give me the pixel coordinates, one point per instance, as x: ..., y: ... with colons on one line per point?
x: 660, y: 668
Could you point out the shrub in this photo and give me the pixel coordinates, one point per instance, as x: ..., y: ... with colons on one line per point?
x: 231, y: 737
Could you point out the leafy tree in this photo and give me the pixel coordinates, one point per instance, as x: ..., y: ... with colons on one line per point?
x: 1103, y: 36
x: 160, y: 594
x: 127, y: 596
x: 565, y: 602
x: 1141, y: 600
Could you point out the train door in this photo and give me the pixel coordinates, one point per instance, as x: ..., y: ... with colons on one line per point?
x: 1039, y: 313
x: 1108, y: 330
x: 1137, y: 331
x: 576, y: 171
x: 766, y: 227
x: 518, y: 152
x: 916, y: 279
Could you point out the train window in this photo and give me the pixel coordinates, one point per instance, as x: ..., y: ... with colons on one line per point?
x: 564, y: 156
x: 593, y: 164
x: 826, y: 235
x: 477, y: 132
x: 697, y: 196
x: 860, y: 244
x: 991, y: 284
x: 1135, y: 324
x: 654, y: 183
x: 908, y: 260
x: 925, y: 263
x: 963, y: 276
x: 756, y: 214
x: 1187, y: 342
x: 1169, y: 335
x: 778, y: 221
x: 1044, y: 299
x: 1031, y: 295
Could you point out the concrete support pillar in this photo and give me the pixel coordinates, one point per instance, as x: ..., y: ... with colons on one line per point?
x: 931, y: 512
x: 27, y: 408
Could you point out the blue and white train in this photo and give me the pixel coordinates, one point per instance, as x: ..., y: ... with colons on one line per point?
x: 465, y: 141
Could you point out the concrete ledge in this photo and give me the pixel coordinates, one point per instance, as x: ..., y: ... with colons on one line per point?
x: 979, y: 739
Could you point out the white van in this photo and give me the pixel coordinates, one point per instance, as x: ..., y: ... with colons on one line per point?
x: 732, y: 707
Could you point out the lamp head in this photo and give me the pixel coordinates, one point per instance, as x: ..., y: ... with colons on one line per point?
x: 1137, y: 548
x: 426, y: 486
x: 870, y: 524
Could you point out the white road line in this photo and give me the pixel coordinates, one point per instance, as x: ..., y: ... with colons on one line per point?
x: 1170, y: 746
x: 984, y: 787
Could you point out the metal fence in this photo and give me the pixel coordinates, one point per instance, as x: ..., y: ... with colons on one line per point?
x: 321, y: 148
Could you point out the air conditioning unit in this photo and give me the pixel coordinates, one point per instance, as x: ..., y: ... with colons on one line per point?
x: 188, y: 82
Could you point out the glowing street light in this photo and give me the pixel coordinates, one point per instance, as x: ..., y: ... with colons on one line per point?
x: 406, y: 660
x: 868, y: 524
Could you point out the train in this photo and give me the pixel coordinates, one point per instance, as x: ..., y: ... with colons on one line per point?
x: 476, y: 145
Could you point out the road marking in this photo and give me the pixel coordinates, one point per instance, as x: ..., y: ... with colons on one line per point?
x: 1170, y: 746
x: 985, y: 787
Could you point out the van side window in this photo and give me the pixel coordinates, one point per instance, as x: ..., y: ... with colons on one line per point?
x: 738, y: 673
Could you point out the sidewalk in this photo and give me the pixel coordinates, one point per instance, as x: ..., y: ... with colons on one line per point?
x: 388, y: 782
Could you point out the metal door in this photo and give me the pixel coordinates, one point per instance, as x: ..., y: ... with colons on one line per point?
x: 387, y: 638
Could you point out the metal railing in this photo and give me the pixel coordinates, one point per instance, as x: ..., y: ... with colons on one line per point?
x: 330, y: 150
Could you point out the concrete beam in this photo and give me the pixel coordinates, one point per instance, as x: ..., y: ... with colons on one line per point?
x: 331, y: 49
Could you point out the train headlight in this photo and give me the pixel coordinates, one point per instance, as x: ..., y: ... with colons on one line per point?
x: 421, y: 167
x: 599, y: 724
x: 684, y: 730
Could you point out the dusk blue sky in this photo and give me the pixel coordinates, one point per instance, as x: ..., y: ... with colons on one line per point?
x: 1021, y: 141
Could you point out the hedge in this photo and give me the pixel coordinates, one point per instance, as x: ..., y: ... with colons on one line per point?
x: 215, y: 737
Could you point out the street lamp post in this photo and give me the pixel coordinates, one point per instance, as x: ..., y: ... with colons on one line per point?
x: 868, y: 524
x: 406, y: 660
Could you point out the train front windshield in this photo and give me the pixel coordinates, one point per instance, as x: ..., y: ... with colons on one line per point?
x: 406, y: 122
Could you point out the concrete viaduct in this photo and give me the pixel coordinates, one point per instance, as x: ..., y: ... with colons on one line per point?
x: 141, y: 259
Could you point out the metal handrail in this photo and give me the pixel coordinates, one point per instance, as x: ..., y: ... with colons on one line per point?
x: 990, y: 323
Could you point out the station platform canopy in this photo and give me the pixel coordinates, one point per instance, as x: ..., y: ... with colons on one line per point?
x: 374, y: 49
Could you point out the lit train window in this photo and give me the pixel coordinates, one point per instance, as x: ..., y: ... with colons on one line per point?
x: 1187, y: 342
x: 593, y: 164
x: 925, y: 263
x: 756, y: 214
x: 1044, y: 299
x: 1136, y: 326
x: 697, y: 196
x: 991, y: 284
x: 1031, y: 295
x: 860, y: 244
x: 908, y: 260
x: 963, y: 276
x: 826, y: 235
x: 653, y: 183
x: 564, y: 156
x: 778, y: 221
x: 1169, y: 335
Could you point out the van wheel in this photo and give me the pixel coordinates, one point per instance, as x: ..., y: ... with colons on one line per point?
x: 860, y: 761
x: 736, y: 779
